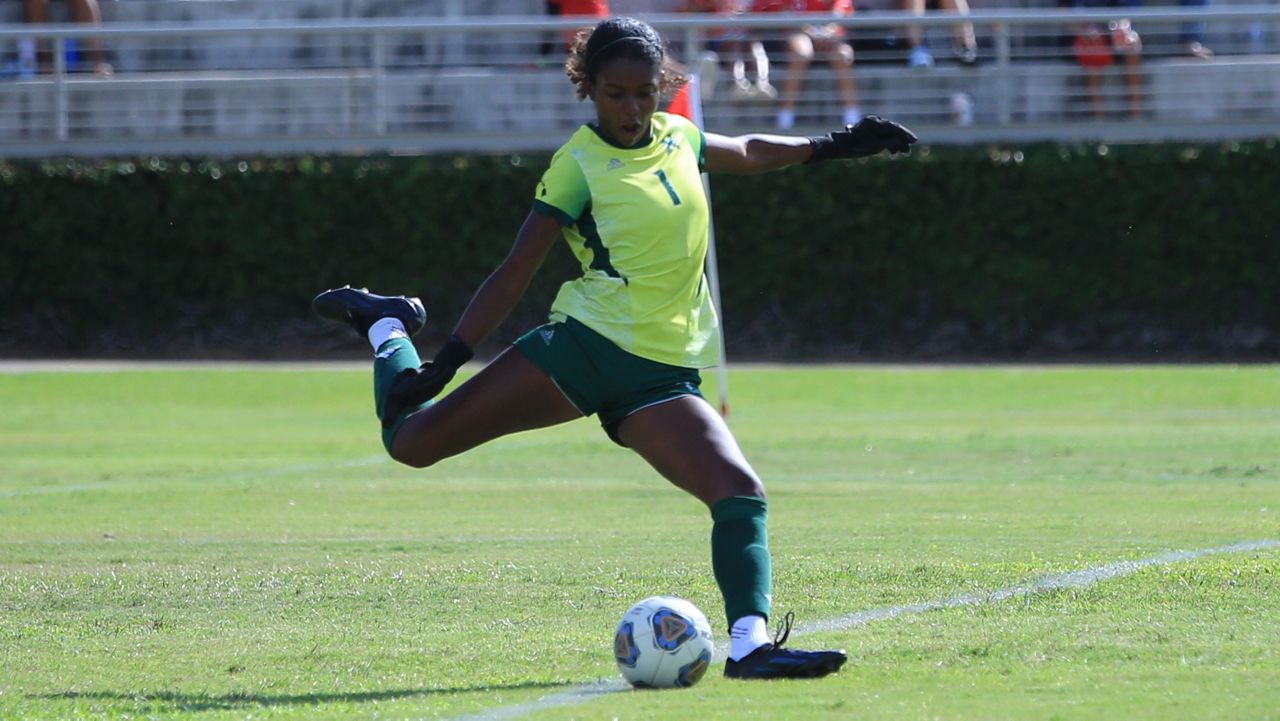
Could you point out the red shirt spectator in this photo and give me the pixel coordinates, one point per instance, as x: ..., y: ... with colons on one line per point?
x: 577, y: 8
x: 724, y: 7
x: 831, y: 7
x: 592, y: 8
x: 827, y: 38
x: 840, y: 8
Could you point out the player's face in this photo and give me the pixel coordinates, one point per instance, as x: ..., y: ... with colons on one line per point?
x: 626, y: 93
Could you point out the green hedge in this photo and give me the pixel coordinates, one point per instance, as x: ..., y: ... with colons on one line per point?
x: 1131, y: 251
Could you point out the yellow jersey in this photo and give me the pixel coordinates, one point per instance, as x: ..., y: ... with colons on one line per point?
x: 636, y: 219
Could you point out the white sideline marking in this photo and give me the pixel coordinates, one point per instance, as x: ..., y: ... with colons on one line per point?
x: 569, y: 697
x: 1074, y: 579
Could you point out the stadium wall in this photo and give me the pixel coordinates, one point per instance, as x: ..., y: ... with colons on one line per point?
x: 1163, y: 252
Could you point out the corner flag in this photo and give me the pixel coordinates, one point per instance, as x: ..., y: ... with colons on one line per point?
x: 683, y: 103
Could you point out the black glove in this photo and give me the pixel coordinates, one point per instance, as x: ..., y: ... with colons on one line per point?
x: 414, y: 386
x: 871, y: 135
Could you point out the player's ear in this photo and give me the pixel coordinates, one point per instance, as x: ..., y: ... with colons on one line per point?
x: 590, y: 88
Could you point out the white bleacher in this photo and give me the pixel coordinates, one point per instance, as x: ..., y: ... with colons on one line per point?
x: 236, y: 76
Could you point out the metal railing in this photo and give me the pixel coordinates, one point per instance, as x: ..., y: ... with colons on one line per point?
x: 495, y: 83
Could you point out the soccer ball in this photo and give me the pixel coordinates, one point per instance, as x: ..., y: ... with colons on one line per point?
x: 663, y: 642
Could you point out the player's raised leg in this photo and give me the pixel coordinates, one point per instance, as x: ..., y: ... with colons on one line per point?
x: 689, y: 443
x: 507, y: 396
x: 388, y: 322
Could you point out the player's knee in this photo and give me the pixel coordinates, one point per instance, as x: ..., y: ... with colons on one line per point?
x: 414, y: 460
x: 741, y: 482
x: 800, y: 49
x: 712, y: 496
x: 751, y: 486
x: 413, y: 455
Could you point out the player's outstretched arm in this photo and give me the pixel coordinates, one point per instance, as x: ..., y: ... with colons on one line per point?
x: 746, y: 154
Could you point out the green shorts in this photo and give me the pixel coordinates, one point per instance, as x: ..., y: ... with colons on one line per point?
x: 599, y: 377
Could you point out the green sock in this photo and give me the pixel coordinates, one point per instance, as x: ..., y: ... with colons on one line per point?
x: 740, y: 555
x: 394, y: 356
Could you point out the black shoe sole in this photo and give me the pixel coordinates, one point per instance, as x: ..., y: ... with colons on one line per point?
x: 815, y: 670
x: 360, y: 309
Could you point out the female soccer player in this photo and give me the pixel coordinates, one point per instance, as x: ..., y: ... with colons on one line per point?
x: 627, y: 339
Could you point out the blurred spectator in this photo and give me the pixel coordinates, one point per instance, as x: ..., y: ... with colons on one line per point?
x: 733, y: 46
x: 586, y: 9
x: 800, y: 46
x: 81, y: 11
x: 1192, y: 36
x: 964, y: 44
x: 1096, y: 47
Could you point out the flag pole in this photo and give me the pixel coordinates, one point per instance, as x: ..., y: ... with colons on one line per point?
x: 713, y: 276
x: 713, y: 264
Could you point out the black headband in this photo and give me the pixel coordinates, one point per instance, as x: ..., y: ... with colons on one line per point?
x: 591, y: 59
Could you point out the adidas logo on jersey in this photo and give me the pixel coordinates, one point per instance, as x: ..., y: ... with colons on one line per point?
x: 547, y: 334
x: 614, y: 164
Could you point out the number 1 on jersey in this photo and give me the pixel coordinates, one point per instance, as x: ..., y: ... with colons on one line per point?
x: 675, y: 199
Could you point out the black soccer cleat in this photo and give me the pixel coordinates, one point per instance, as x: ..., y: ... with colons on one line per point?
x: 770, y: 661
x: 359, y: 308
x: 773, y: 661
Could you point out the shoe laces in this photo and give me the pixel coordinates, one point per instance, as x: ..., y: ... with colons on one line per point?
x: 785, y: 633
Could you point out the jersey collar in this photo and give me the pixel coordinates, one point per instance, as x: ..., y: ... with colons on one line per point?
x: 647, y: 140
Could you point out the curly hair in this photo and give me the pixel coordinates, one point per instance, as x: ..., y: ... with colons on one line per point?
x: 620, y: 37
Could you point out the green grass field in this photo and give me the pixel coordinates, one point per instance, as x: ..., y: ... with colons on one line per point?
x: 231, y: 544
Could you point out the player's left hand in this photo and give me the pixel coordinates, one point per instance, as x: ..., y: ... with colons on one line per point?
x: 871, y: 135
x: 414, y: 386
